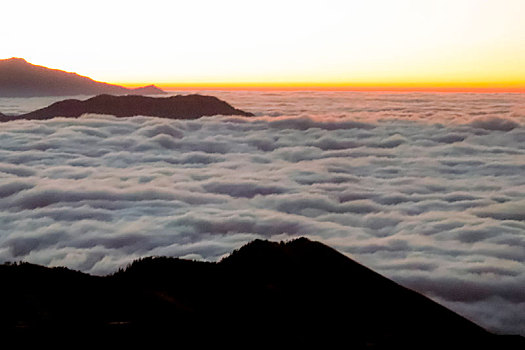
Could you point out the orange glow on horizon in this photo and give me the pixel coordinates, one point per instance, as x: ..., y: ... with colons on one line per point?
x: 517, y: 87
x: 382, y: 45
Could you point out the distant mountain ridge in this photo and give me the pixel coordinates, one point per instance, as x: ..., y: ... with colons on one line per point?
x: 174, y: 107
x: 295, y: 294
x: 19, y: 78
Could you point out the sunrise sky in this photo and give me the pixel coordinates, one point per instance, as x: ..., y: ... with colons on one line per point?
x: 375, y: 44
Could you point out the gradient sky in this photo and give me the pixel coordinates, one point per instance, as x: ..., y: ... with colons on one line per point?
x: 375, y: 43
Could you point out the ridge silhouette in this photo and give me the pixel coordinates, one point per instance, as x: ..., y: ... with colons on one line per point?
x: 174, y: 107
x: 19, y: 78
x: 299, y: 293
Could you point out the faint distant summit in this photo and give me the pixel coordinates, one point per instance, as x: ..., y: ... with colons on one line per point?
x: 19, y: 78
x: 148, y: 90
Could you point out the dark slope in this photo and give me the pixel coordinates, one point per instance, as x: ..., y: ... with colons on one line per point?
x: 18, y: 78
x: 175, y: 107
x: 300, y: 293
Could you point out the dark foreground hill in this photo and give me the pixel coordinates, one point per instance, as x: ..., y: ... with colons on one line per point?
x: 19, y: 78
x: 294, y: 294
x: 174, y: 107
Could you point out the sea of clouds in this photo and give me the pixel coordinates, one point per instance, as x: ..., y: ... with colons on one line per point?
x: 427, y: 189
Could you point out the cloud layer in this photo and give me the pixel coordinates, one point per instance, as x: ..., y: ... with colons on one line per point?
x: 427, y: 189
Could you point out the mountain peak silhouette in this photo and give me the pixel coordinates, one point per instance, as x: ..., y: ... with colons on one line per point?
x: 16, y: 61
x: 297, y: 293
x: 19, y: 78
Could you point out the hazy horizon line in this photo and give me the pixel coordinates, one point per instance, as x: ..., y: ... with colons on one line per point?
x: 329, y: 87
x: 493, y: 86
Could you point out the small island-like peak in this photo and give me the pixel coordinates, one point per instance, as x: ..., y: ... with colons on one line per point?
x: 173, y: 107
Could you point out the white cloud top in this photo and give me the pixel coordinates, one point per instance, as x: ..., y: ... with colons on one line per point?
x: 427, y: 189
